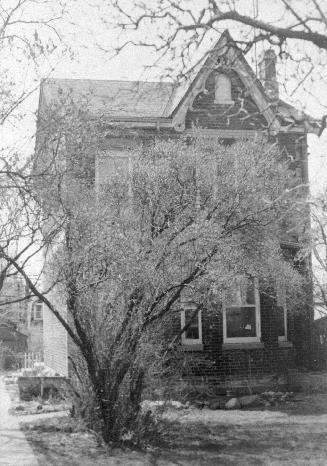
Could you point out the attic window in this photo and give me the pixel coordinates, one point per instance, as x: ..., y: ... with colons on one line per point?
x: 223, y: 89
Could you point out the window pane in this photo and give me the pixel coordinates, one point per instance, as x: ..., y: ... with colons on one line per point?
x: 281, y: 308
x: 280, y: 321
x: 250, y: 292
x: 192, y: 332
x: 242, y: 293
x: 38, y: 311
x: 240, y: 322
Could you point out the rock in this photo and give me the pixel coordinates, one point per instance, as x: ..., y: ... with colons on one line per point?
x: 233, y: 403
x: 39, y: 407
x: 250, y: 400
x: 198, y: 404
x: 19, y: 408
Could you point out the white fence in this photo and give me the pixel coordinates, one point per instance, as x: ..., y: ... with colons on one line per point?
x: 31, y: 358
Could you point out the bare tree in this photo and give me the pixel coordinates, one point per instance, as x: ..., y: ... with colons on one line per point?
x: 122, y: 258
x: 177, y: 31
x: 29, y: 38
x: 319, y: 249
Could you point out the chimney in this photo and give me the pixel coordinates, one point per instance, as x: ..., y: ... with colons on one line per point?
x: 267, y: 74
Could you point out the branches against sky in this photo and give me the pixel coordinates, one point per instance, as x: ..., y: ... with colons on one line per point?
x: 178, y: 33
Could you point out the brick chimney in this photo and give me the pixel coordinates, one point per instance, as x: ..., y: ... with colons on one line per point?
x: 267, y: 74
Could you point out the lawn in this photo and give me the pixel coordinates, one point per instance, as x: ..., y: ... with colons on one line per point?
x: 294, y: 433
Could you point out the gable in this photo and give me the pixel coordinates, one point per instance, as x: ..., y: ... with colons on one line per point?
x: 233, y: 108
x: 226, y: 57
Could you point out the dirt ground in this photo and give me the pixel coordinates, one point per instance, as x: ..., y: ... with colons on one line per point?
x: 293, y: 433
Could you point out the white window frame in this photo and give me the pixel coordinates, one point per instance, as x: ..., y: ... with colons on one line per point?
x: 191, y: 341
x: 220, y: 98
x: 281, y: 302
x: 34, y: 311
x: 255, y: 339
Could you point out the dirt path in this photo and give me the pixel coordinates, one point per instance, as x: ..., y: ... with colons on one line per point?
x: 14, y: 448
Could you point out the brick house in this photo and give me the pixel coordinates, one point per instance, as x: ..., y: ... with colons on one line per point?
x: 253, y: 334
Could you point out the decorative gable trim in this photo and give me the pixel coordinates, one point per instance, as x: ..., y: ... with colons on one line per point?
x: 227, y: 133
x: 225, y: 47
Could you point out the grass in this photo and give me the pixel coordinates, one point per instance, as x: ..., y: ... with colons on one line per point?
x: 297, y: 438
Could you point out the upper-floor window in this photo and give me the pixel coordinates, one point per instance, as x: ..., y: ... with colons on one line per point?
x: 37, y: 311
x: 241, y: 312
x: 223, y: 89
x: 110, y: 164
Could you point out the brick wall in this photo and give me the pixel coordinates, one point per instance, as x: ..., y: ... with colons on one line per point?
x: 216, y: 360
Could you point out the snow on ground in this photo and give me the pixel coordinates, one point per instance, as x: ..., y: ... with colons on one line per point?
x: 240, y: 417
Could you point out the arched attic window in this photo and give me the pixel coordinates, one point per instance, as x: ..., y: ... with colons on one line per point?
x: 223, y: 89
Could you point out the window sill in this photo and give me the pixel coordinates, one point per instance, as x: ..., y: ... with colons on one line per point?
x: 242, y: 346
x: 225, y: 102
x: 285, y: 344
x: 192, y: 347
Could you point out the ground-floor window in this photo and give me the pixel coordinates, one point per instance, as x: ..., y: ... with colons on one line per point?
x: 241, y: 311
x: 281, y: 312
x: 191, y: 320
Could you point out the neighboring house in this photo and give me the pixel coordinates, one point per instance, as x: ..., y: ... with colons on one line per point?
x: 24, y: 315
x: 34, y: 327
x: 12, y: 345
x: 223, y: 98
x: 13, y: 308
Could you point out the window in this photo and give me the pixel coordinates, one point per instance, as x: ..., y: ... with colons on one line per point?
x: 37, y: 311
x: 191, y: 318
x: 109, y: 164
x: 223, y: 89
x: 241, y: 312
x: 281, y: 312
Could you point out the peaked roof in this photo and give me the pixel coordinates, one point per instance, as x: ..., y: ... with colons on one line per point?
x: 145, y: 101
x: 113, y: 98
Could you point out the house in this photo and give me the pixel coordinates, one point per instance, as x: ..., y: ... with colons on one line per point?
x: 34, y: 327
x: 12, y: 346
x: 222, y: 98
x: 23, y: 315
x: 13, y: 308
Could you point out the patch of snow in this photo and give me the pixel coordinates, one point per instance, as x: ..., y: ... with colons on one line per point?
x: 239, y: 417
